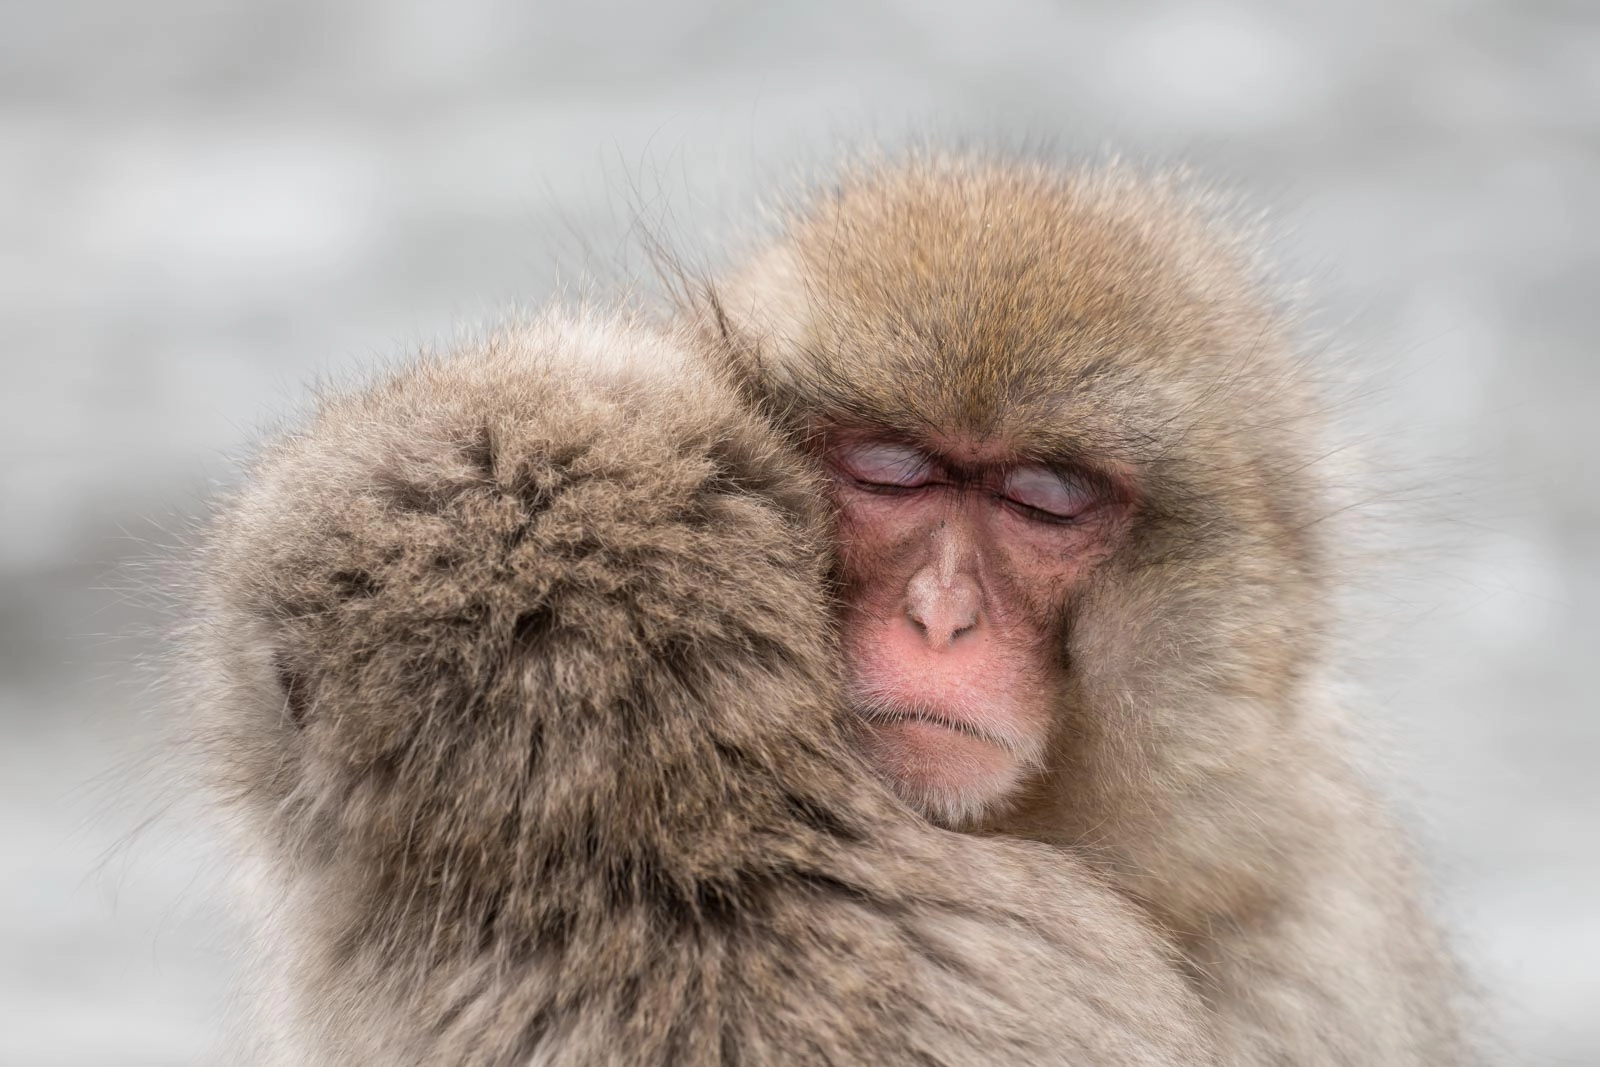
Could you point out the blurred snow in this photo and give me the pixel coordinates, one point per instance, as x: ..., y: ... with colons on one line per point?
x: 204, y: 207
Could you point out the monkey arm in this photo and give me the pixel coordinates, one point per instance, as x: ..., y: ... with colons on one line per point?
x: 516, y: 678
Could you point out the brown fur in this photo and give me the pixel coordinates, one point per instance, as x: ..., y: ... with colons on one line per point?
x: 1098, y: 317
x: 517, y: 683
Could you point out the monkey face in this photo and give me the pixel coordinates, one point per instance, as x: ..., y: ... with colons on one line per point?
x: 1073, y: 467
x: 955, y: 562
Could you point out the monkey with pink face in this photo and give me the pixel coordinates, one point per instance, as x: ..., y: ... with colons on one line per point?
x: 915, y: 655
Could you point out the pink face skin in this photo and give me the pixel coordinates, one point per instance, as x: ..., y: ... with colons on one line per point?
x: 956, y: 563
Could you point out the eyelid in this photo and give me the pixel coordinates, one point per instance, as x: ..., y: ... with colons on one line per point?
x: 876, y: 463
x: 1048, y: 490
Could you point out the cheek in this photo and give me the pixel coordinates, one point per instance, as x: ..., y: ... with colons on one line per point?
x: 1045, y: 565
x: 877, y: 539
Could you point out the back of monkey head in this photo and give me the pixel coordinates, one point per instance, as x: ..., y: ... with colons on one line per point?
x: 433, y: 619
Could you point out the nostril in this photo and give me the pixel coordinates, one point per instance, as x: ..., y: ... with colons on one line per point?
x: 942, y: 607
x: 941, y: 624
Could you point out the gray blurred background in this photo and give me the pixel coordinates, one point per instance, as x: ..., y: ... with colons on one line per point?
x: 205, y: 206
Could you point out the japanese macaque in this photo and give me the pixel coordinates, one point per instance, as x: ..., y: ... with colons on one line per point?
x: 918, y: 657
x: 1084, y: 547
x: 519, y: 684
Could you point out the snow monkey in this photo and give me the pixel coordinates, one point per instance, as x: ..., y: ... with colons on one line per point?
x: 914, y: 656
x: 1084, y: 555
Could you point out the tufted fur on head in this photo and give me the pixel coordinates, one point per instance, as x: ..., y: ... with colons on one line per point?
x: 1118, y: 322
x: 516, y: 678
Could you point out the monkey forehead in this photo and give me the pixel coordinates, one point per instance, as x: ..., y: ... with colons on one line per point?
x: 976, y: 295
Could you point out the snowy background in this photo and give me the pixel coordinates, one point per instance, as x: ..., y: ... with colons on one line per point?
x: 204, y: 206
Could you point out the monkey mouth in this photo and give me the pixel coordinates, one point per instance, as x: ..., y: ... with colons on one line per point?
x: 951, y: 764
x: 886, y: 715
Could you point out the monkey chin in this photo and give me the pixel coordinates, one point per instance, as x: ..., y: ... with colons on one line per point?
x: 949, y: 772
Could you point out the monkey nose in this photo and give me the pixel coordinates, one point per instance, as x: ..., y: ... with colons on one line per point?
x: 942, y: 610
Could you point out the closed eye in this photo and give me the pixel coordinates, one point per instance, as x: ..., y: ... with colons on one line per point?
x: 1047, y: 494
x: 884, y: 465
